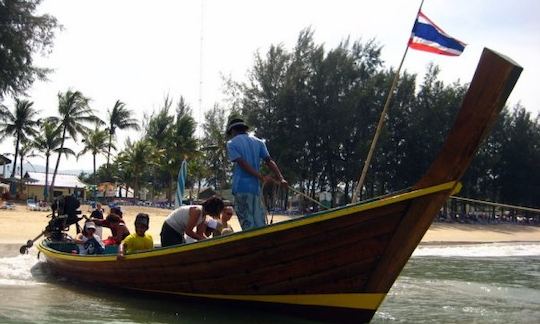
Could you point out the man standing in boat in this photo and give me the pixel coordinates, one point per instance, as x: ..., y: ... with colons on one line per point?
x: 247, y: 151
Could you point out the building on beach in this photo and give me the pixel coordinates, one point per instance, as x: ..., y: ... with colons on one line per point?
x: 65, y: 184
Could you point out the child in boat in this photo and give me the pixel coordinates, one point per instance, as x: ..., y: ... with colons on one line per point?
x: 117, y: 226
x: 140, y: 240
x: 226, y: 216
x: 89, y: 243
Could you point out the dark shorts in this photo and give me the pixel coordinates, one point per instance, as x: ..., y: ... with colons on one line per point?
x: 170, y: 237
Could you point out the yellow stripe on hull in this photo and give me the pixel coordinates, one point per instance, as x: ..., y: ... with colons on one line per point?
x: 356, y: 300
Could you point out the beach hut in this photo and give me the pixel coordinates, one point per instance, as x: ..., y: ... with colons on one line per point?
x: 65, y: 184
x: 3, y: 162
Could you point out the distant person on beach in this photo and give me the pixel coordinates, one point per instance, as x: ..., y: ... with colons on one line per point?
x: 247, y: 151
x: 138, y: 241
x: 117, y: 226
x: 98, y: 214
x: 189, y: 220
x: 88, y: 242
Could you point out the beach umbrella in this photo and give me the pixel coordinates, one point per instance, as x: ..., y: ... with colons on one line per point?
x: 181, y: 184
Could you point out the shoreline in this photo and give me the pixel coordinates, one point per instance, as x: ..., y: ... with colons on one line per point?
x: 20, y: 225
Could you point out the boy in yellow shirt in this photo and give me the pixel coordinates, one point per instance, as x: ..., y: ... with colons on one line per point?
x: 138, y: 241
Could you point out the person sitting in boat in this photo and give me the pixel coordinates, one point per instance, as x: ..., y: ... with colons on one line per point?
x: 117, y: 226
x: 226, y: 216
x: 186, y: 219
x: 138, y: 241
x: 247, y: 151
x: 88, y: 242
x: 117, y: 211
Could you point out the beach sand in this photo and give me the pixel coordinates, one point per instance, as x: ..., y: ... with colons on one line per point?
x: 19, y: 225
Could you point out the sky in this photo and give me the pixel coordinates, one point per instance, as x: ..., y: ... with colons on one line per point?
x: 141, y: 51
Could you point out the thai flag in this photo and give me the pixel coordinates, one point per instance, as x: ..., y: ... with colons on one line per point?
x: 426, y: 36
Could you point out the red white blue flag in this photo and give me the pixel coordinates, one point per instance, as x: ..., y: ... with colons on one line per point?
x: 426, y: 36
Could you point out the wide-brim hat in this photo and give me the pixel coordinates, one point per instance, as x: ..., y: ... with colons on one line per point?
x: 235, y: 123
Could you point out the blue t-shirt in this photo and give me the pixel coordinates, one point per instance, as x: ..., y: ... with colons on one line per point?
x: 252, y: 150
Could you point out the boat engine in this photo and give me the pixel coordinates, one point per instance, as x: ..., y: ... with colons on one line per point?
x: 64, y: 214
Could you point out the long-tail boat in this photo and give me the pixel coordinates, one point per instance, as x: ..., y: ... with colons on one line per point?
x: 335, y: 265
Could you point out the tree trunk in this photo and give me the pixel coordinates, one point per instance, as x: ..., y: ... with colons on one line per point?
x: 45, y: 188
x: 109, y: 150
x: 95, y: 184
x: 51, y: 190
x: 13, y: 187
x: 21, y: 173
x: 170, y: 190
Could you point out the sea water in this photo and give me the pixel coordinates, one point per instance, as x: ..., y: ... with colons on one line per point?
x: 474, y: 283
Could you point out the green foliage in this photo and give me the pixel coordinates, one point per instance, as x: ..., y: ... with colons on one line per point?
x: 174, y: 137
x: 49, y: 141
x: 119, y: 118
x: 214, y: 147
x: 23, y: 33
x: 21, y: 124
x: 135, y: 161
x: 74, y: 113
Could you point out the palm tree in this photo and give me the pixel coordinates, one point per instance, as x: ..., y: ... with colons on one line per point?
x: 26, y: 150
x: 74, y: 111
x: 214, y: 143
x: 119, y: 117
x: 49, y: 141
x: 135, y: 159
x: 20, y: 124
x: 95, y: 143
x: 180, y: 143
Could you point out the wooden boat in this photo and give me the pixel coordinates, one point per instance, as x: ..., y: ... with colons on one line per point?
x: 336, y: 265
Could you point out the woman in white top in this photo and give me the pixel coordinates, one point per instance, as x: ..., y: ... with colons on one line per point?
x: 186, y: 219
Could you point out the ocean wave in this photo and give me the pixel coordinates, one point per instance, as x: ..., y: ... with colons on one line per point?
x: 16, y: 270
x: 480, y: 250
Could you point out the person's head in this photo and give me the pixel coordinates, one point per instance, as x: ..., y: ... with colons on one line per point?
x: 213, y: 206
x: 117, y: 211
x: 89, y: 228
x: 98, y: 206
x: 227, y: 213
x: 113, y: 219
x: 142, y: 222
x: 236, y: 126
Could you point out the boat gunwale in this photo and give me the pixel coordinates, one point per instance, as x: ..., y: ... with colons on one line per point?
x: 281, y: 226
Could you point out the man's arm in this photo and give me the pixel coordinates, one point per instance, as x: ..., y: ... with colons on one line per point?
x: 275, y: 169
x: 249, y: 169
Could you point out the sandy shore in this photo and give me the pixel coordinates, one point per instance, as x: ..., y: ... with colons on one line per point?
x: 19, y: 225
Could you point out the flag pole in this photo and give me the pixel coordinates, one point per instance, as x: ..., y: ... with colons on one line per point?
x: 380, y: 125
